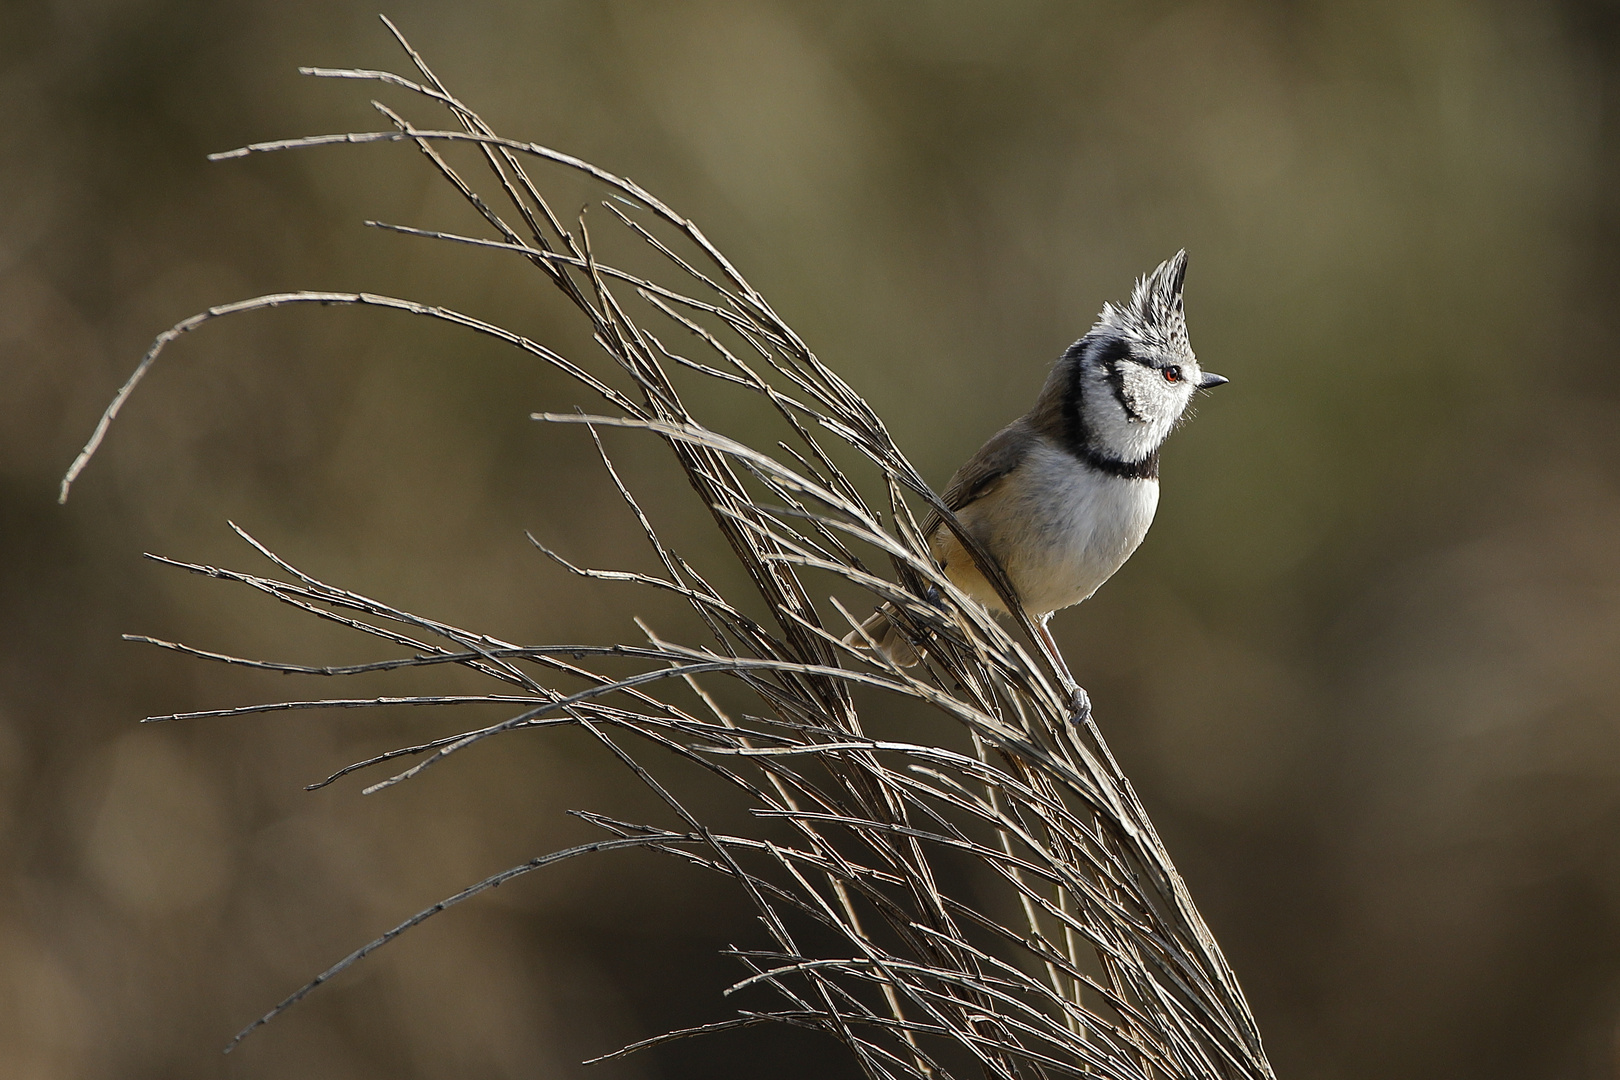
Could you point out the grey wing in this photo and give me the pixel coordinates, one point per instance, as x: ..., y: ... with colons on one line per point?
x: 984, y: 471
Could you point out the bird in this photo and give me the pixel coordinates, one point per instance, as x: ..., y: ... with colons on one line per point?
x: 1062, y: 496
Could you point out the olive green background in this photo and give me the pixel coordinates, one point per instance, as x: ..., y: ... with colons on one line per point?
x: 1364, y: 670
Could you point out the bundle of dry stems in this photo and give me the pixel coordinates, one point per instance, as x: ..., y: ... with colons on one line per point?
x: 1088, y: 958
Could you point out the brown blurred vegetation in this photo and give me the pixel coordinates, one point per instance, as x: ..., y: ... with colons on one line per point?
x: 1364, y: 670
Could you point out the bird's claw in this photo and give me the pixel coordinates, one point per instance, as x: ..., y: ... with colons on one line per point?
x: 1080, y: 703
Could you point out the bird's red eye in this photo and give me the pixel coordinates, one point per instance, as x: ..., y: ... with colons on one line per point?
x: 1172, y: 374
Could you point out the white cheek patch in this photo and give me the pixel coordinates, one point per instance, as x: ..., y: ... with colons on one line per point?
x: 1138, y: 391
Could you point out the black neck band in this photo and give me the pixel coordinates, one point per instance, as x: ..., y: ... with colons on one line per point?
x: 1146, y: 469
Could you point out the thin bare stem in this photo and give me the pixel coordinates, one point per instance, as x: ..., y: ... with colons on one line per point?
x: 1077, y: 949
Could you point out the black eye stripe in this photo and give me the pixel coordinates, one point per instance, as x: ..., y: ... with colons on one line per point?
x: 1112, y: 350
x: 1179, y: 370
x: 1151, y: 365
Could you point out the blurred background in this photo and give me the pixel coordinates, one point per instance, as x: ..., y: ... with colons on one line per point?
x: 1364, y: 670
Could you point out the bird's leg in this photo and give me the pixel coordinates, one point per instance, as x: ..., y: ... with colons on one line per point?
x: 1052, y: 651
x: 1078, y: 698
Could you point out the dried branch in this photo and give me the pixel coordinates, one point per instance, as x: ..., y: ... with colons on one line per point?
x: 1107, y: 971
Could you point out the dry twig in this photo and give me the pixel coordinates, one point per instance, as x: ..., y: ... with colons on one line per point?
x: 1107, y: 970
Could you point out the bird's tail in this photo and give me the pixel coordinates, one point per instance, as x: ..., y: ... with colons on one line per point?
x: 880, y: 630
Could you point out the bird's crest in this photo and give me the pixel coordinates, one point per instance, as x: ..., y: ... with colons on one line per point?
x: 1154, y: 316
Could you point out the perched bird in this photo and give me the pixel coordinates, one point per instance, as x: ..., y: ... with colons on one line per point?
x: 1064, y: 494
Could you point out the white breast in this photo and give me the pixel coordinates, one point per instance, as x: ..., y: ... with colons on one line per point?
x: 1060, y: 528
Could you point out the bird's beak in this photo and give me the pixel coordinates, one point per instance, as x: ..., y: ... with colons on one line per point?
x: 1210, y: 380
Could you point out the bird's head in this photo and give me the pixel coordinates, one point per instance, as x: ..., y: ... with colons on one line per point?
x: 1130, y: 379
